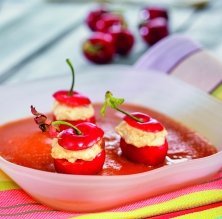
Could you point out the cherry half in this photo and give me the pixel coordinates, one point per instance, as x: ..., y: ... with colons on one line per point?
x: 149, y: 155
x: 90, y: 134
x: 147, y: 123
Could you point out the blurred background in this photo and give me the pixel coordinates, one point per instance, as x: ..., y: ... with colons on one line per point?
x: 36, y: 36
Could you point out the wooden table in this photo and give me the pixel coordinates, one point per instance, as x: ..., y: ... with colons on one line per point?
x: 37, y: 37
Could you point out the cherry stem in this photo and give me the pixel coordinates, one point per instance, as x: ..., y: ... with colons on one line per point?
x: 114, y: 102
x: 60, y: 122
x: 73, y: 77
x: 128, y: 114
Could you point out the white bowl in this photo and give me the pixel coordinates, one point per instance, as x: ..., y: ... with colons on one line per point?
x: 166, y: 94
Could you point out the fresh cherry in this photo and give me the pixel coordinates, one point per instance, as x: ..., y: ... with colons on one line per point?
x: 109, y: 20
x: 152, y: 12
x: 123, y: 40
x: 154, y: 30
x: 147, y: 123
x: 149, y: 155
x: 90, y: 134
x: 81, y: 167
x: 93, y: 17
x: 99, y: 48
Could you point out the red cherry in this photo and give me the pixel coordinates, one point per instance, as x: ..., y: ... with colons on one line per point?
x: 91, y: 134
x: 76, y: 99
x: 149, y: 155
x: 123, y: 40
x: 107, y: 21
x: 154, y: 30
x: 99, y: 48
x: 148, y: 125
x: 93, y: 17
x: 81, y: 167
x: 153, y: 12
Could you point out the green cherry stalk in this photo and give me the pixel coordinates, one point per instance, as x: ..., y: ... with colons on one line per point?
x: 114, y: 103
x: 73, y: 77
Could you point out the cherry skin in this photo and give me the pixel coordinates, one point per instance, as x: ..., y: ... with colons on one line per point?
x: 148, y: 124
x: 154, y: 30
x: 99, y: 48
x: 81, y: 167
x: 93, y: 17
x: 107, y: 21
x: 70, y: 140
x: 73, y: 100
x: 149, y: 155
x: 91, y: 134
x: 153, y: 12
x: 123, y: 40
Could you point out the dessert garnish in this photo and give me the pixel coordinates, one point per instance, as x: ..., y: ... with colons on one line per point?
x: 77, y: 149
x: 71, y: 106
x: 143, y: 138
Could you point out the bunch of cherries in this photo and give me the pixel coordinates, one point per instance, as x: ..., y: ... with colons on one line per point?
x: 111, y: 35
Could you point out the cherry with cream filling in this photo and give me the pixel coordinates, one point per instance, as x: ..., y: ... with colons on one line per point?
x: 76, y: 150
x: 68, y: 105
x: 144, y: 141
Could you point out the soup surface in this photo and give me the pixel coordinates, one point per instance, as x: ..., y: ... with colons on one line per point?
x: 23, y: 143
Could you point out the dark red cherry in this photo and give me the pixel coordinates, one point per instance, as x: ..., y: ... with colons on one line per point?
x: 81, y: 167
x: 154, y: 30
x: 109, y: 20
x: 94, y: 16
x: 70, y: 140
x: 153, y: 12
x: 148, y: 124
x: 99, y: 48
x: 123, y: 40
x: 149, y: 155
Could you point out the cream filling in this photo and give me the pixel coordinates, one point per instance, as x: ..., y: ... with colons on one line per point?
x: 63, y: 112
x: 140, y: 138
x: 88, y: 154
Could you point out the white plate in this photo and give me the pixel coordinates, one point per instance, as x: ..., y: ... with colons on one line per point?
x: 94, y: 193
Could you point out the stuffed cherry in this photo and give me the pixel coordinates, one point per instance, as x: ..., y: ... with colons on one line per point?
x: 76, y: 150
x: 71, y: 106
x: 143, y: 138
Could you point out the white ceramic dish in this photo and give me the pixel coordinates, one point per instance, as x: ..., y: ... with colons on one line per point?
x: 95, y: 193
